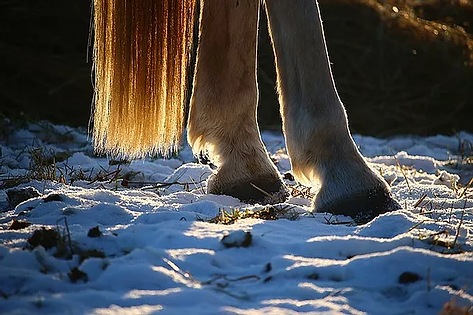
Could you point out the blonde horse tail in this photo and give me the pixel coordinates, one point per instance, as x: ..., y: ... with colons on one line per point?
x: 141, y: 55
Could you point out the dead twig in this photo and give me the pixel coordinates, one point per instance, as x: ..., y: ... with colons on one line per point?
x: 402, y: 171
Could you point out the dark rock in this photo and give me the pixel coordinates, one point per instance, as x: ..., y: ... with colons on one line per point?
x: 47, y: 238
x: 313, y: 276
x: 409, y: 277
x: 19, y: 224
x: 268, y: 267
x: 75, y: 275
x: 18, y: 195
x: 94, y: 232
x: 237, y: 239
x: 53, y: 197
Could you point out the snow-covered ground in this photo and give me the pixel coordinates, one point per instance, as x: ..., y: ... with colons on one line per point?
x: 140, y: 238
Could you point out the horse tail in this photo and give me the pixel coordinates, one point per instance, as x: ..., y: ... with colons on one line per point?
x: 141, y: 54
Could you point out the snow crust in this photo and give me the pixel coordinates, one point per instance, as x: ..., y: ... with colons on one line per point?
x: 162, y: 255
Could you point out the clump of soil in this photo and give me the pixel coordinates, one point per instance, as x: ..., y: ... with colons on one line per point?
x: 94, y: 232
x: 237, y: 239
x: 48, y: 238
x: 19, y: 225
x: 18, y: 195
x: 409, y: 277
x: 53, y: 197
x: 75, y: 275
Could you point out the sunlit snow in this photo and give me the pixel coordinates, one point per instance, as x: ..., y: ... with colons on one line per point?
x: 159, y: 253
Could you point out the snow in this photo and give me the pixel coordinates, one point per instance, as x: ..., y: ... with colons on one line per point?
x: 159, y: 252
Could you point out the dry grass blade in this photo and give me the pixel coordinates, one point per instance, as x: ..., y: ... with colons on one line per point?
x: 176, y: 268
x: 459, y: 225
x: 42, y: 165
x: 225, y: 278
x: 160, y: 185
x: 271, y: 213
x: 332, y: 220
x: 265, y: 192
x: 402, y: 171
x: 301, y: 191
x: 466, y: 188
x: 416, y: 225
x: 420, y: 200
x: 68, y: 235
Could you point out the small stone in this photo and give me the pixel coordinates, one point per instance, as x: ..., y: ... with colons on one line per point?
x: 94, y: 232
x: 313, y: 276
x: 19, y: 224
x: 75, y: 275
x: 237, y: 239
x: 268, y: 268
x: 18, y: 195
x: 409, y: 277
x: 53, y: 197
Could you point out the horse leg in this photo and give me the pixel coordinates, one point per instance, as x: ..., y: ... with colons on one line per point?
x: 222, y: 117
x: 314, y: 120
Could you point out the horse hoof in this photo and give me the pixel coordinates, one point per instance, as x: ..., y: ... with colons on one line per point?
x: 364, y: 207
x: 267, y: 190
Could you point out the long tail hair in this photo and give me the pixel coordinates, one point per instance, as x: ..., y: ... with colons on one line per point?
x: 141, y: 54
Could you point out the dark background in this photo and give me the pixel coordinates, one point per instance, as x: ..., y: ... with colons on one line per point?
x: 401, y: 67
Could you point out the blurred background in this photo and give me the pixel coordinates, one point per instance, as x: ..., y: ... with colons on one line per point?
x: 401, y: 66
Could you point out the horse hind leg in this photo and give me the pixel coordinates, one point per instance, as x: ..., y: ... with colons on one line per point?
x: 222, y: 116
x: 314, y: 120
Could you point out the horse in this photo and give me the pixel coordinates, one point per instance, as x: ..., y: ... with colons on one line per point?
x: 142, y: 56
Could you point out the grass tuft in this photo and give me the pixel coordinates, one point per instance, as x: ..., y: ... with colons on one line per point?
x: 269, y: 212
x: 452, y: 308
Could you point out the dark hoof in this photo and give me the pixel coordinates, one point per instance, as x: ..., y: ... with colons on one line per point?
x: 263, y: 190
x: 364, y: 207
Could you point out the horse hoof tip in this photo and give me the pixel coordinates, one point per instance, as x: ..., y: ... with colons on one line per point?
x: 364, y: 207
x: 262, y: 191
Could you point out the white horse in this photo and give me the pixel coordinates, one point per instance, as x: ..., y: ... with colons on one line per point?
x: 142, y: 49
